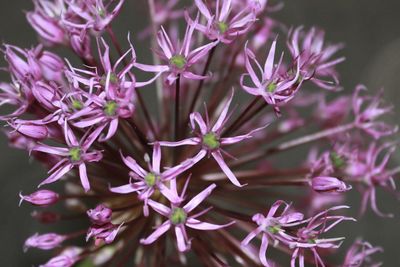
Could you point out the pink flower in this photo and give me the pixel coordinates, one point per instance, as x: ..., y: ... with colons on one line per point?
x: 178, y: 58
x: 76, y: 155
x: 16, y: 95
x: 45, y: 241
x: 45, y: 21
x: 94, y: 14
x: 40, y: 198
x: 149, y: 181
x: 272, y: 227
x: 273, y: 87
x: 359, y: 254
x: 329, y: 184
x: 67, y: 258
x: 103, y: 233
x: 315, y: 58
x: 100, y: 215
x: 210, y: 139
x: 367, y: 109
x: 308, y: 237
x: 179, y: 218
x: 370, y: 169
x: 222, y: 25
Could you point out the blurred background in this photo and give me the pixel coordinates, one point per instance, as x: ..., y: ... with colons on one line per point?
x: 369, y: 28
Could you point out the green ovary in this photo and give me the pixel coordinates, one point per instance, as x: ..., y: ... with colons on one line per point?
x: 337, y: 161
x: 110, y: 108
x: 151, y: 179
x: 76, y: 104
x: 211, y: 140
x: 222, y: 27
x: 274, y: 229
x: 75, y: 154
x: 271, y: 87
x: 113, y: 79
x: 178, y: 61
x: 178, y: 216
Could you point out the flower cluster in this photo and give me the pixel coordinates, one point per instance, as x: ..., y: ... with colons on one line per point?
x: 163, y: 181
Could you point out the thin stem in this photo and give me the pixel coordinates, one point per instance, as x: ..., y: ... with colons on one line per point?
x: 115, y: 42
x: 201, y: 83
x: 294, y: 143
x: 156, y: 60
x: 146, y: 113
x: 177, y: 106
x: 241, y: 117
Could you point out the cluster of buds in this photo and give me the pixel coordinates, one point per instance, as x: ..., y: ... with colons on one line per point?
x: 176, y: 184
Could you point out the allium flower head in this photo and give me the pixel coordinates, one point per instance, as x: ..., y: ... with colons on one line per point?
x: 163, y: 181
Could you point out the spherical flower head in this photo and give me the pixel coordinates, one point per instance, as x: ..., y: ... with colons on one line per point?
x: 40, y: 198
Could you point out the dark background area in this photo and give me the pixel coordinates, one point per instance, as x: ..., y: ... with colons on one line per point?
x: 369, y: 28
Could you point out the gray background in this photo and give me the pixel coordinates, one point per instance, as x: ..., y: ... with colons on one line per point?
x: 371, y: 31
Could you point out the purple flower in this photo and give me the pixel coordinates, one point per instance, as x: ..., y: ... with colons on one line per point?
x: 367, y: 109
x: 149, y: 181
x: 45, y: 241
x: 325, y: 184
x: 37, y: 132
x: 272, y: 227
x: 370, y: 169
x: 178, y: 58
x: 14, y: 94
x: 222, y: 25
x: 359, y: 254
x: 276, y: 89
x: 315, y: 57
x: 40, y: 198
x: 45, y: 20
x: 100, y: 215
x: 308, y: 237
x: 179, y: 218
x: 210, y: 140
x: 75, y: 155
x: 94, y: 14
x: 67, y: 258
x: 103, y: 233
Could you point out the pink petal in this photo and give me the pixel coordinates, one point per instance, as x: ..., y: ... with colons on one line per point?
x: 83, y: 176
x: 220, y: 160
x: 183, y: 245
x: 160, y: 208
x: 222, y: 117
x: 195, y: 201
x: 199, y: 225
x: 156, y: 234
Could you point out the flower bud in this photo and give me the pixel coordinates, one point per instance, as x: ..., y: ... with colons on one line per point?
x: 46, y: 27
x: 32, y: 130
x: 52, y: 66
x: 103, y: 233
x: 324, y: 184
x: 45, y: 241
x: 67, y: 258
x: 100, y: 215
x: 40, y: 198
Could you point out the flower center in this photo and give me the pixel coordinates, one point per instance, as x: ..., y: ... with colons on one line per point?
x: 211, y: 141
x: 222, y: 27
x: 113, y: 79
x: 75, y: 154
x: 76, y: 104
x: 274, y: 229
x: 178, y: 216
x: 312, y: 241
x: 178, y: 61
x: 337, y: 161
x: 151, y: 179
x: 271, y: 87
x: 110, y: 108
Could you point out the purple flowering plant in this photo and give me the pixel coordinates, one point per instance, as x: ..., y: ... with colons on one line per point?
x: 192, y: 176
